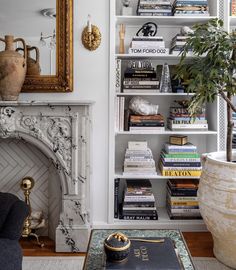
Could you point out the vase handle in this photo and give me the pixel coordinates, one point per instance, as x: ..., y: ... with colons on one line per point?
x: 24, y: 46
x: 36, y: 53
x: 3, y: 40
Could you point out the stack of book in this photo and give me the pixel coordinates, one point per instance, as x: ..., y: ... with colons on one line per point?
x: 141, y: 123
x: 177, y: 44
x: 154, y: 8
x: 140, y: 77
x: 182, y: 200
x: 180, y: 119
x: 139, y: 201
x: 148, y: 45
x: 191, y: 8
x: 139, y: 159
x: 180, y: 160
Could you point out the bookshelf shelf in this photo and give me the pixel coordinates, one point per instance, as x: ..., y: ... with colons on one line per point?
x: 167, y: 132
x: 205, y: 140
x: 163, y: 222
x: 154, y: 94
x: 162, y: 20
x: 141, y: 56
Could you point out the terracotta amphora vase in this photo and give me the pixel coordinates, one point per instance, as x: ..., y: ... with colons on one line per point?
x: 12, y: 69
x: 33, y: 67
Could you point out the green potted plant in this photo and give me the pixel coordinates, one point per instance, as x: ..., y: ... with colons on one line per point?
x: 212, y: 74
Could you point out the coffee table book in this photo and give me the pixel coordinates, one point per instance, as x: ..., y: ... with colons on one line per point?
x: 148, y: 256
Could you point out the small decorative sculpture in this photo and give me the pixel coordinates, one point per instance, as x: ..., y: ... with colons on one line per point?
x: 91, y: 36
x: 122, y: 39
x: 141, y: 106
x: 165, y: 84
x: 126, y: 9
x: 117, y: 247
x: 186, y: 30
x: 27, y: 183
x: 149, y: 29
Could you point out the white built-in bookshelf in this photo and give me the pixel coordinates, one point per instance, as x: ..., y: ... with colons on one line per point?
x: 206, y: 141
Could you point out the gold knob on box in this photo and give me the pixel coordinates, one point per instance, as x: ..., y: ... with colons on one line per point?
x: 91, y: 36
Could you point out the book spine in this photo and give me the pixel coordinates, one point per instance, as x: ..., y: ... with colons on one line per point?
x: 184, y: 203
x: 182, y: 198
x: 139, y: 212
x: 140, y: 82
x: 178, y: 160
x: 117, y: 113
x: 140, y: 75
x: 147, y: 44
x: 180, y: 155
x: 121, y: 112
x: 154, y: 13
x: 129, y: 217
x: 140, y: 87
x: 118, y: 75
x: 147, y: 51
x: 181, y: 164
x: 181, y: 173
x: 116, y: 201
x: 185, y: 211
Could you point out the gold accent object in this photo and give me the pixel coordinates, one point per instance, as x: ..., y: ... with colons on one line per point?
x: 147, y: 240
x: 122, y: 39
x: 27, y: 184
x: 120, y: 237
x: 91, y: 38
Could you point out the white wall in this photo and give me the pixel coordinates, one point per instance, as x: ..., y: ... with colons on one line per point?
x: 91, y: 83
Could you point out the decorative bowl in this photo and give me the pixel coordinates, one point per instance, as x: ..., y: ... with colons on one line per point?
x: 117, y: 247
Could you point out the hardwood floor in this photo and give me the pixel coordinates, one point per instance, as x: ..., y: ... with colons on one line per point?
x: 200, y: 244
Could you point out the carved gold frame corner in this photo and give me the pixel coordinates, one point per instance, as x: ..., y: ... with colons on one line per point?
x: 63, y: 80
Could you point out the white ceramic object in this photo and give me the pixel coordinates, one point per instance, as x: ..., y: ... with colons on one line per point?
x: 217, y: 201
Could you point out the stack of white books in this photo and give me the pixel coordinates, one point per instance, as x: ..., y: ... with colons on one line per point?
x: 139, y: 159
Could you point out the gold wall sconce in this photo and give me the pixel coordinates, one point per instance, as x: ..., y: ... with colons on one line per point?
x: 91, y: 36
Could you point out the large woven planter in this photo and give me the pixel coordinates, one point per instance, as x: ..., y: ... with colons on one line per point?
x: 217, y: 201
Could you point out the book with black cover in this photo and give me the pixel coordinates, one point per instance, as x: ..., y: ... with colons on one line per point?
x: 149, y: 256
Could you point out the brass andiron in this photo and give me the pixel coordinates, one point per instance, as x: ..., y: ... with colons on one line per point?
x: 27, y: 184
x: 91, y: 36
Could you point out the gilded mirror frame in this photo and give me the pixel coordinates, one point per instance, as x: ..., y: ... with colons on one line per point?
x: 63, y: 80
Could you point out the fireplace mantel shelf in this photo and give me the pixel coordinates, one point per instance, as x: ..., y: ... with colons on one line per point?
x: 47, y: 103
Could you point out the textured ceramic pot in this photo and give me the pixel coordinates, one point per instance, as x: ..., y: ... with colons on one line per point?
x: 217, y: 202
x: 12, y: 69
x: 117, y: 247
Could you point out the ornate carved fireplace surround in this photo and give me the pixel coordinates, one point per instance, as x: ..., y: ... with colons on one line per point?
x: 62, y: 132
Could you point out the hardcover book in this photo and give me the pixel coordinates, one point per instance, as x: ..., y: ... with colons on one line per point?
x: 149, y: 256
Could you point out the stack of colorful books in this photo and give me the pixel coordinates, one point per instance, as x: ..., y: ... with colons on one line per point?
x: 191, y: 8
x: 140, y: 77
x: 154, y: 8
x: 139, y: 201
x: 180, y: 119
x: 180, y: 160
x: 140, y: 123
x: 182, y: 200
x: 139, y: 159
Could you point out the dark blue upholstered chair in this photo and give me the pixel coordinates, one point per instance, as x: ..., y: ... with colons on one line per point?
x: 13, y: 212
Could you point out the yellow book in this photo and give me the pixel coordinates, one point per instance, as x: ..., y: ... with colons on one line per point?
x: 184, y: 203
x: 181, y: 173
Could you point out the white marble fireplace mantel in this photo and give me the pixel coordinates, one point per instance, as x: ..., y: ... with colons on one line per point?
x: 61, y: 130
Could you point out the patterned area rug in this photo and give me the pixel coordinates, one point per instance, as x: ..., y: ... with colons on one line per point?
x: 76, y: 263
